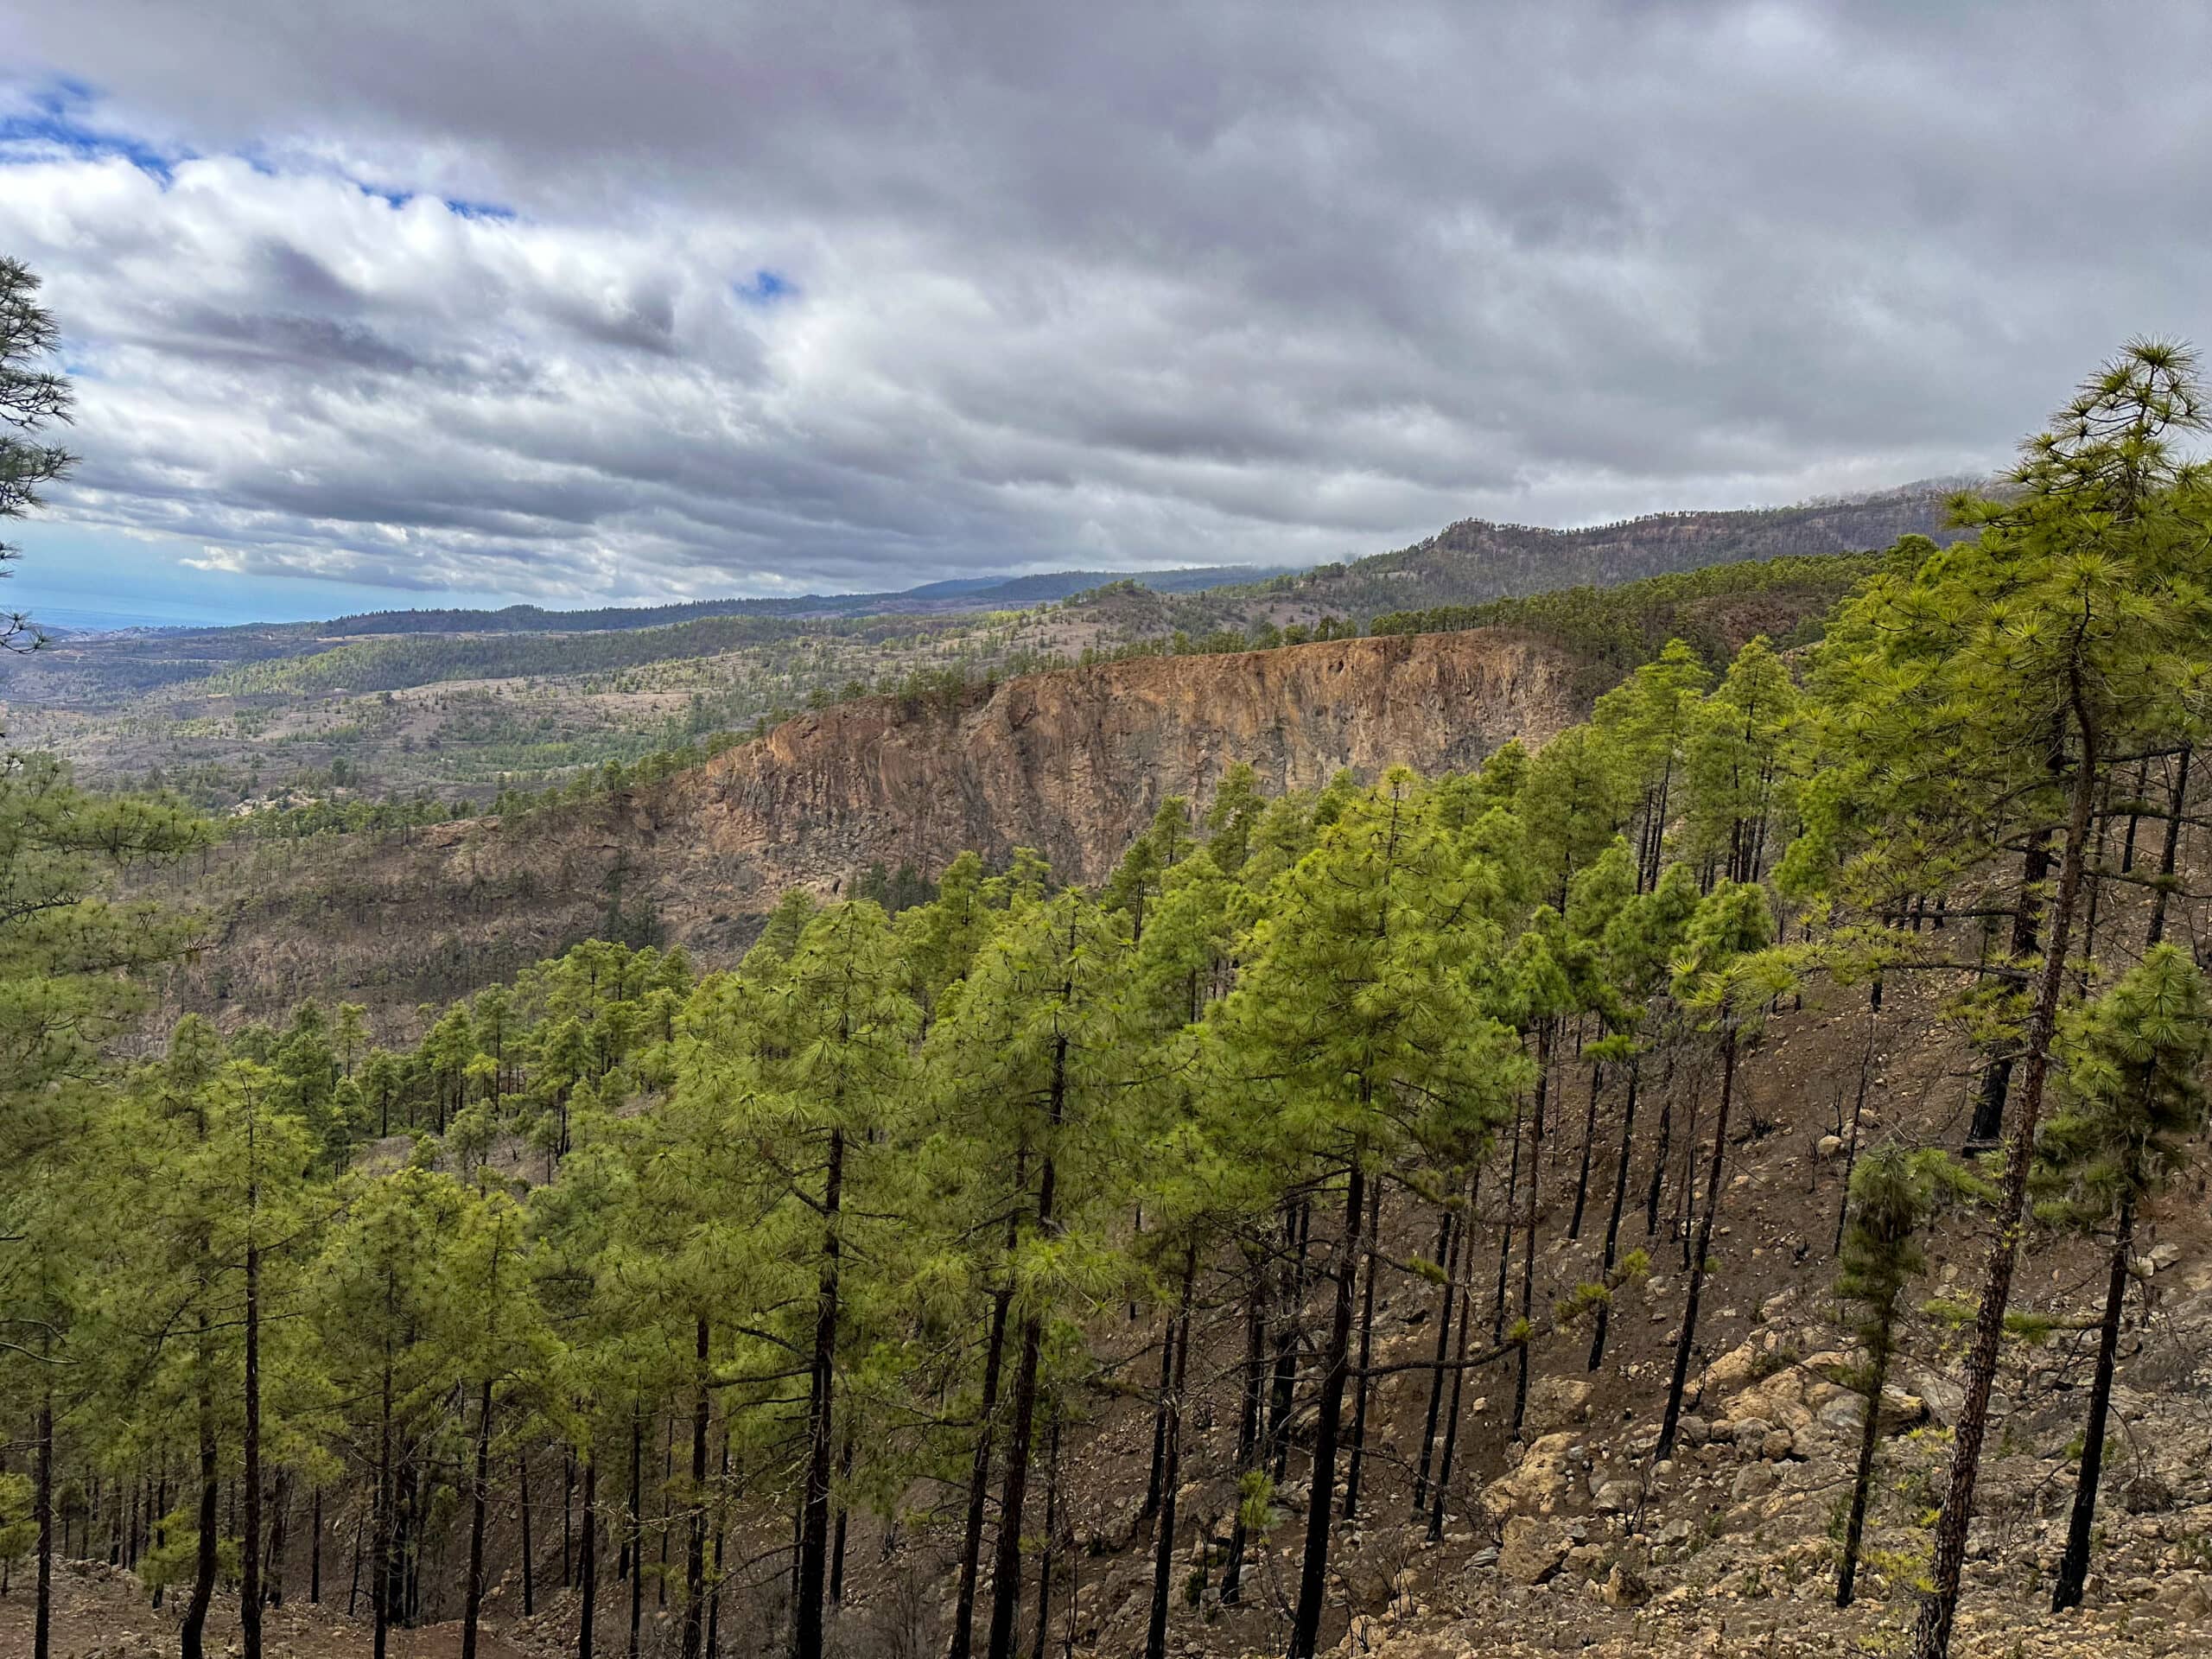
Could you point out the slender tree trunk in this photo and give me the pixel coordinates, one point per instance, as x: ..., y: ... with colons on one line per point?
x: 2074, y: 1568
x: 1589, y: 1139
x: 1007, y: 1562
x: 1052, y: 1534
x: 636, y: 1525
x: 587, y: 1559
x: 1862, y: 1484
x: 1150, y: 1506
x: 1447, y: 1257
x: 381, y: 1550
x: 1858, y: 1113
x: 979, y: 1479
x: 2157, y: 931
x: 1248, y: 1429
x: 1939, y: 1609
x: 250, y: 1538
x: 821, y: 1438
x: 473, y: 1601
x: 1006, y: 1580
x: 1505, y: 1232
x: 1437, y: 1493
x: 42, y: 1615
x: 1988, y: 1126
x: 1313, y: 1577
x: 1687, y: 1342
x: 1289, y: 1325
x: 1604, y: 1321
x: 1529, y: 1254
x: 695, y: 1553
x: 528, y: 1584
x: 1163, y: 1557
x: 191, y: 1636
x: 1659, y: 1151
x: 314, y: 1550
x: 1366, y: 1352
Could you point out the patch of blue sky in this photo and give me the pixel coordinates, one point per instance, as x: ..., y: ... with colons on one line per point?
x: 56, y: 118
x: 763, y: 287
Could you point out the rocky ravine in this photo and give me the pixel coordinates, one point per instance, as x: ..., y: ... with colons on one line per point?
x: 1074, y: 763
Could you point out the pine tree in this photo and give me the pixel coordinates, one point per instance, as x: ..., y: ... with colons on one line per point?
x: 2135, y: 1103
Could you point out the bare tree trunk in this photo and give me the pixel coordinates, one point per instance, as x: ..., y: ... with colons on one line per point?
x: 473, y: 1603
x: 42, y: 1617
x: 1248, y: 1429
x: 695, y: 1553
x: 1313, y: 1577
x: 1604, y: 1322
x: 1366, y: 1352
x: 1687, y: 1342
x: 2074, y: 1568
x: 191, y: 1636
x: 1163, y: 1557
x: 587, y: 1559
x: 821, y: 1438
x: 978, y: 1479
x: 1448, y: 1258
x: 1870, y: 1434
x: 250, y: 1538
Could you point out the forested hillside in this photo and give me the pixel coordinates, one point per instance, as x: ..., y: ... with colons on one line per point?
x: 1696, y: 1167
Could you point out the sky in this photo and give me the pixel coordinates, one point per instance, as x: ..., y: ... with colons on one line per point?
x: 436, y: 301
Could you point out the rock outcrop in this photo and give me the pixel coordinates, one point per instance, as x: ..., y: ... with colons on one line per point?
x: 1074, y: 763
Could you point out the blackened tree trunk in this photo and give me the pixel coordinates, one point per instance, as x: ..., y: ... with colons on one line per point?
x: 1659, y: 1152
x: 315, y: 1548
x: 1862, y: 1484
x: 191, y: 1636
x: 473, y: 1603
x: 587, y: 1559
x: 636, y: 1525
x: 1459, y: 1377
x: 1505, y: 1232
x: 1150, y: 1506
x: 1247, y: 1428
x: 821, y: 1435
x: 1611, y: 1254
x: 695, y: 1553
x: 2074, y: 1567
x: 529, y: 1579
x: 2157, y: 930
x: 1163, y: 1555
x: 42, y: 1615
x: 1366, y: 1352
x: 1448, y: 1258
x: 1052, y: 1535
x: 250, y: 1538
x: 1687, y: 1341
x: 1006, y: 1579
x: 1312, y: 1576
x: 1529, y: 1254
x: 1988, y: 1125
x: 979, y: 1480
x: 1589, y: 1138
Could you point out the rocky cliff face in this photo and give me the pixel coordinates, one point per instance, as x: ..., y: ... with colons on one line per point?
x: 1074, y: 763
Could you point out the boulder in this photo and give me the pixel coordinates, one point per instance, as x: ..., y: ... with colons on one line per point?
x: 1616, y: 1497
x: 1532, y: 1550
x: 1537, y: 1485
x: 1625, y: 1589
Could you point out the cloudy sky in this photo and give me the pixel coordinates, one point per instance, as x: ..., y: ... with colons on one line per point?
x: 584, y: 302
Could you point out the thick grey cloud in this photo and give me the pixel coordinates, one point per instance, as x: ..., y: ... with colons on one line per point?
x: 575, y: 301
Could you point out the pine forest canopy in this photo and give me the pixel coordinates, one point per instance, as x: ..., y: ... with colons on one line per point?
x: 854, y: 1238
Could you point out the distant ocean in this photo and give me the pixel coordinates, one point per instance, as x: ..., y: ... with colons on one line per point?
x: 79, y: 620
